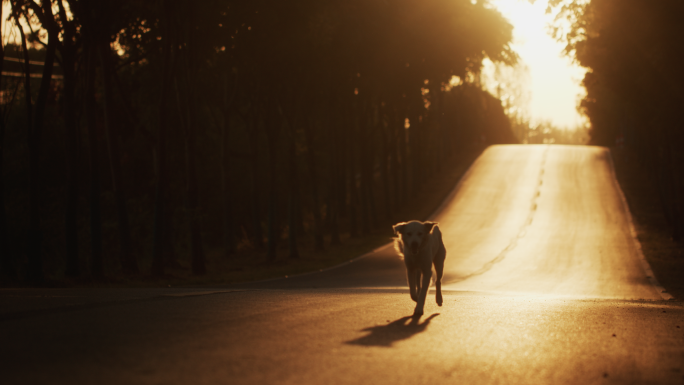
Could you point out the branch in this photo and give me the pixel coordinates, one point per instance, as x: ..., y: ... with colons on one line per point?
x: 69, y: 26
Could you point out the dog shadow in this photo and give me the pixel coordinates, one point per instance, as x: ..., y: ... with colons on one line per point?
x: 386, y: 335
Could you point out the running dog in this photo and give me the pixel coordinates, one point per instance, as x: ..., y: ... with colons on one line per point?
x: 420, y: 243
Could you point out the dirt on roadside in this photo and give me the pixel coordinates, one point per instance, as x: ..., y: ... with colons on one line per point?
x: 665, y: 256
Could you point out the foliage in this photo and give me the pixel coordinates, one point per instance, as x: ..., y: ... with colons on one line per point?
x: 239, y: 125
x: 634, y: 84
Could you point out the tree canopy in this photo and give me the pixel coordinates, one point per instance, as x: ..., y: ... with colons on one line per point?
x: 634, y: 84
x: 232, y: 125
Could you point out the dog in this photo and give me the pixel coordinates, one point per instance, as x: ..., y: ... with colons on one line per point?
x: 420, y: 243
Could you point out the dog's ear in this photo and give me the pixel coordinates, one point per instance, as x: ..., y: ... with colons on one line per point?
x: 429, y: 226
x: 399, y: 228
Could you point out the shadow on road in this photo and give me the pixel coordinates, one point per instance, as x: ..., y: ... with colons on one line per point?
x: 386, y: 335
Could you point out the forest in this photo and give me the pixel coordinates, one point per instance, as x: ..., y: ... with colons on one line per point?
x: 137, y: 135
x: 634, y: 85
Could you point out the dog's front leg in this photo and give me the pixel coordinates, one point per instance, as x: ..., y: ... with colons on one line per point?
x: 412, y: 282
x: 423, y: 293
x: 417, y: 274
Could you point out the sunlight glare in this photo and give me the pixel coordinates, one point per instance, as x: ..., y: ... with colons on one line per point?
x: 554, y: 80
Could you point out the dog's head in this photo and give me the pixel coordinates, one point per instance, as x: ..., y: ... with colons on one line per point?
x: 413, y: 234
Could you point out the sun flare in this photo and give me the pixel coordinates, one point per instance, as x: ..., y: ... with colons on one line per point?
x: 546, y: 86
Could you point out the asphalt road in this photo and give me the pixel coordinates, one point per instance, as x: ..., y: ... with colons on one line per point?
x: 544, y: 284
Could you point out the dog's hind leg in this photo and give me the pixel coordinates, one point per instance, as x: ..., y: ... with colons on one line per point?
x: 439, y: 270
x: 413, y: 283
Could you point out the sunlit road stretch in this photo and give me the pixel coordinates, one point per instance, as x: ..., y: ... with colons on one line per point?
x: 544, y: 284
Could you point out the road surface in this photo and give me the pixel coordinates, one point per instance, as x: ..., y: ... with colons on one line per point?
x: 544, y: 284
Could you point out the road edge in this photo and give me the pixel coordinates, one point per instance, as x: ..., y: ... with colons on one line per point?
x: 632, y: 229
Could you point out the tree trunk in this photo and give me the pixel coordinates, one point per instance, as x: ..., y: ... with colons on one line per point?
x: 333, y: 195
x: 72, y: 157
x: 160, y: 210
x: 35, y: 263
x: 229, y: 240
x: 34, y: 236
x: 394, y: 151
x: 294, y: 207
x: 128, y: 263
x: 353, y: 196
x: 352, y: 180
x: 311, y: 163
x: 198, y: 259
x: 401, y: 133
x: 254, y: 163
x: 196, y: 247
x: 370, y: 167
x: 416, y: 142
x: 273, y: 134
x: 293, y: 204
x: 361, y: 170
x: 384, y: 157
x: 6, y: 265
x: 96, y: 267
x: 343, y: 162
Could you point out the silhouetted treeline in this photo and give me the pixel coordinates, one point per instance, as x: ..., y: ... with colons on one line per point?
x: 152, y: 131
x: 634, y: 85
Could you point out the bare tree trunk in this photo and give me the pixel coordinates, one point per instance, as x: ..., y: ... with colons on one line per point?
x: 416, y: 143
x: 35, y: 260
x: 353, y: 195
x: 196, y: 247
x: 254, y: 163
x: 229, y: 241
x: 401, y: 133
x: 68, y: 51
x: 35, y: 263
x: 96, y: 267
x: 352, y: 150
x: 362, y: 145
x: 311, y: 163
x: 294, y: 207
x: 273, y: 135
x: 366, y: 189
x: 160, y: 210
x: 333, y: 195
x: 6, y: 265
x: 440, y: 151
x: 293, y: 204
x: 343, y: 161
x: 128, y: 263
x: 369, y: 165
x: 394, y: 151
x: 384, y: 158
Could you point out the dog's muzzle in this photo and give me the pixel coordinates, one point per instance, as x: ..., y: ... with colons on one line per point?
x: 414, y: 247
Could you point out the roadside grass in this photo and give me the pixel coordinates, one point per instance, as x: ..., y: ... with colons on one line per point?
x: 250, y: 264
x: 665, y: 256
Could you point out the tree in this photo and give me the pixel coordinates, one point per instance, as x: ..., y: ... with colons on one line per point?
x: 226, y: 122
x: 634, y: 85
